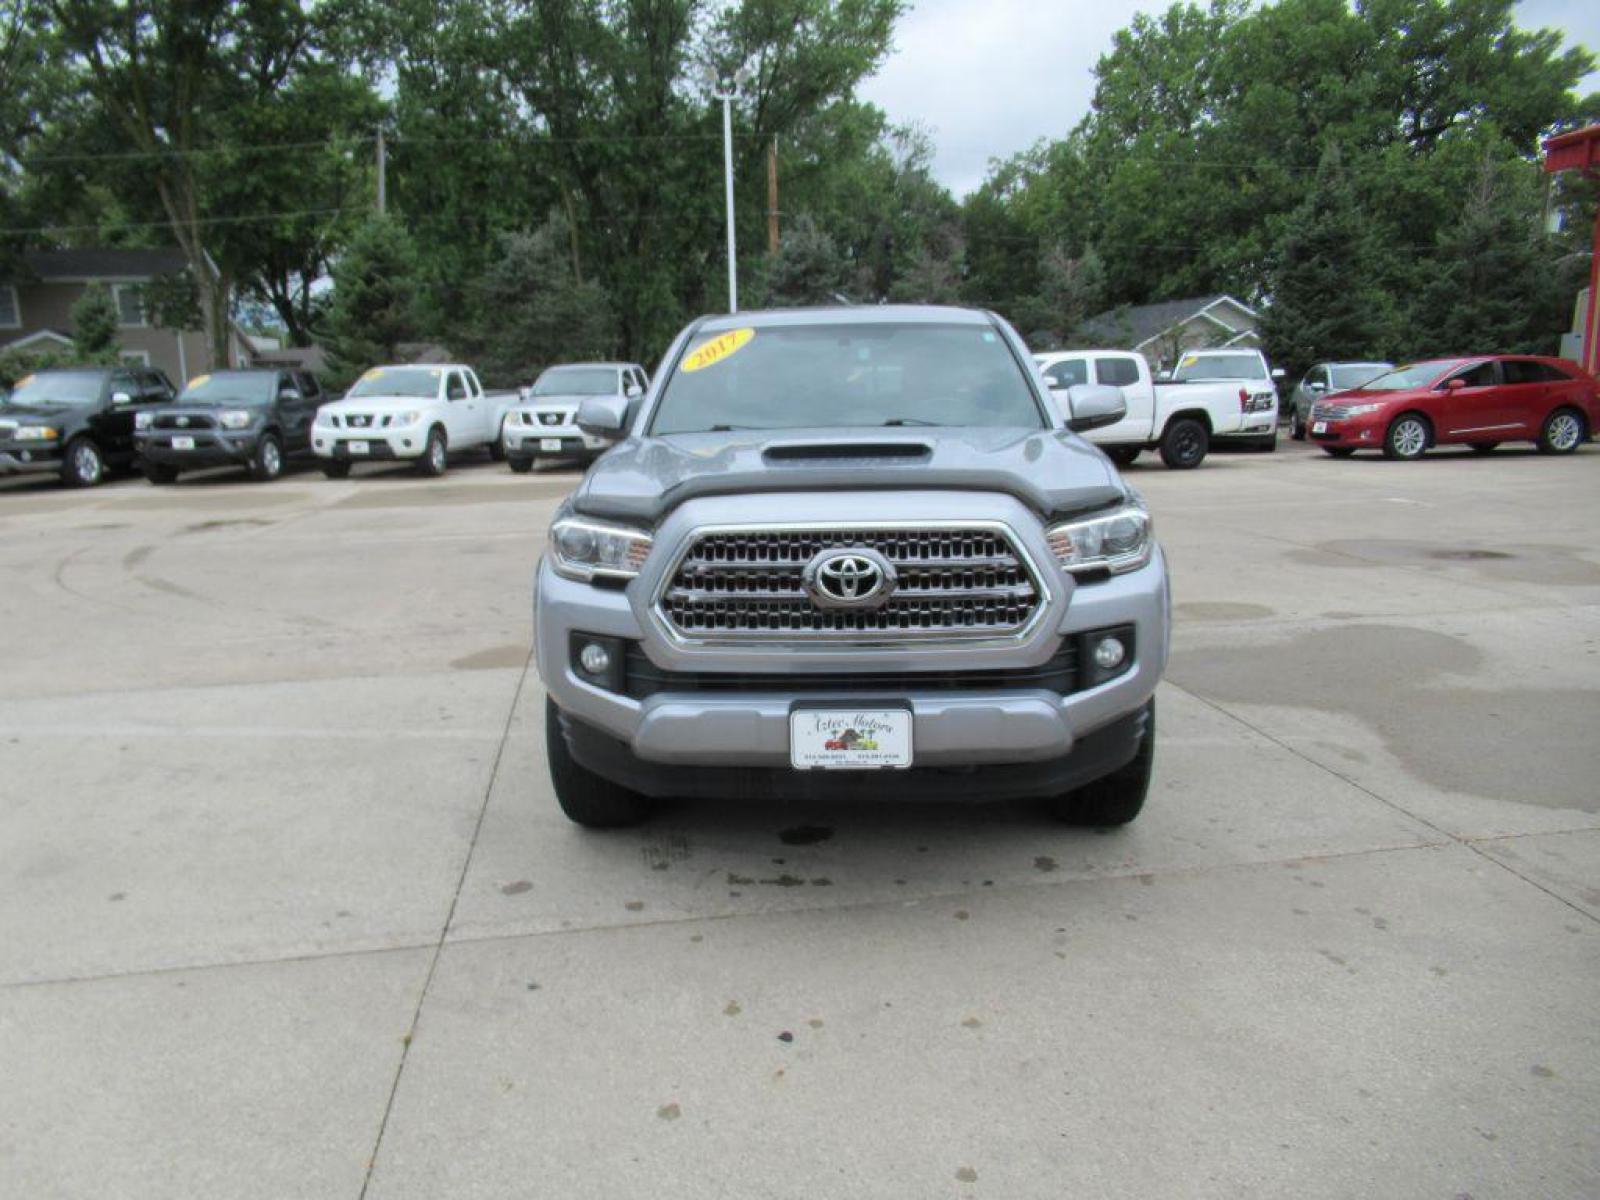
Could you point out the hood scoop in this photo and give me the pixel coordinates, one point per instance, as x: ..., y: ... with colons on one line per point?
x: 834, y: 452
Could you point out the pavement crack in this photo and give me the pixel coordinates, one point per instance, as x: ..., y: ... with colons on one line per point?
x: 444, y: 931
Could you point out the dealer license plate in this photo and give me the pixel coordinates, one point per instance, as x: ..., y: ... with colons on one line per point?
x: 550, y: 445
x: 183, y: 443
x: 1320, y: 427
x: 849, y: 739
x: 357, y: 447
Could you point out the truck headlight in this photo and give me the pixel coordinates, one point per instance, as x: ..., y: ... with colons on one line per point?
x: 586, y: 549
x: 36, y: 433
x: 235, y: 418
x: 404, y: 418
x: 143, y: 419
x: 1116, y: 541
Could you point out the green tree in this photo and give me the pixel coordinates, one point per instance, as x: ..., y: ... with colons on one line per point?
x: 807, y: 269
x: 94, y: 324
x: 532, y: 311
x: 1327, y: 298
x: 375, y: 303
x: 1071, y: 289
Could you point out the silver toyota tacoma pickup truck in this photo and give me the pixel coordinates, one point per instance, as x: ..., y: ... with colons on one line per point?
x: 851, y: 553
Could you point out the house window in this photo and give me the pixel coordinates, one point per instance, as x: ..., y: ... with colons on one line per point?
x: 130, y: 304
x: 135, y: 358
x: 10, y: 309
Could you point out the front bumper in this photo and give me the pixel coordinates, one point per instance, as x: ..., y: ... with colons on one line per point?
x: 211, y: 448
x: 29, y: 458
x: 953, y: 728
x: 1355, y: 432
x: 531, y: 441
x: 382, y: 445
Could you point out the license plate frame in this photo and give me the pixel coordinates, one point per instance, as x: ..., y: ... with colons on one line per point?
x: 1319, y: 427
x: 355, y: 447
x: 549, y: 445
x: 183, y: 442
x: 860, y: 738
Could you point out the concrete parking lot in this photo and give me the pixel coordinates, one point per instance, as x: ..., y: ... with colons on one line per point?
x: 287, y: 908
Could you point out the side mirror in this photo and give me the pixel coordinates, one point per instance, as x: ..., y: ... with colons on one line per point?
x: 1319, y: 386
x: 288, y: 395
x: 1091, y: 406
x: 1454, y: 385
x: 603, y: 416
x: 1164, y: 375
x: 121, y: 398
x: 633, y: 389
x: 1277, y: 372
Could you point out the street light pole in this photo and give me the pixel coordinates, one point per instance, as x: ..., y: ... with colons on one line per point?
x: 725, y: 91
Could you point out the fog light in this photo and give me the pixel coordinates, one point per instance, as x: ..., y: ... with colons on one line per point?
x: 1109, y: 653
x: 595, y: 659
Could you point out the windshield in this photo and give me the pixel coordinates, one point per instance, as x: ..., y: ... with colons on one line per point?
x: 1414, y: 375
x: 577, y: 381
x: 1355, y: 375
x: 76, y: 388
x: 422, y: 382
x: 852, y: 374
x: 231, y: 387
x: 1194, y: 367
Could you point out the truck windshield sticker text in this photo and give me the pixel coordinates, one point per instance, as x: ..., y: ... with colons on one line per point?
x: 719, y: 348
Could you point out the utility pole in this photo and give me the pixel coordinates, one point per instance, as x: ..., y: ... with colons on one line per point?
x: 383, y: 173
x: 772, y: 195
x: 726, y: 89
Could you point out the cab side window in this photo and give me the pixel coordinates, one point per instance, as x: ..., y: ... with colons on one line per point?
x: 154, y: 388
x: 123, y: 382
x: 1482, y: 375
x: 1116, y: 372
x: 454, y: 388
x: 1069, y: 372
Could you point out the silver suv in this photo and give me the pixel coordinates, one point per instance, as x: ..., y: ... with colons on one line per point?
x: 848, y: 553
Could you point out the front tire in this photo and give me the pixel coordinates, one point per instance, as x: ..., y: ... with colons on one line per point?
x: 335, y: 469
x: 84, y: 466
x: 1184, y: 444
x: 1297, y: 427
x: 521, y: 465
x: 267, y: 463
x: 1407, y: 439
x: 497, y: 451
x: 586, y: 798
x: 1123, y: 456
x: 1117, y: 798
x: 160, y: 473
x: 1562, y: 433
x: 435, y: 455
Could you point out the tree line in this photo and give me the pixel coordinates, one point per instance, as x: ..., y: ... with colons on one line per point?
x: 552, y: 170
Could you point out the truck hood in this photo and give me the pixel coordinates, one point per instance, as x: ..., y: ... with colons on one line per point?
x: 1052, y: 471
x: 554, y: 400
x: 379, y: 404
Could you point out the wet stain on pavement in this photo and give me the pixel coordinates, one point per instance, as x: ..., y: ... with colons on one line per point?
x: 634, y: 906
x: 494, y: 658
x: 1560, y: 566
x: 669, y: 1112
x: 966, y: 1175
x: 226, y: 523
x: 1398, y: 681
x: 971, y: 1022
x: 517, y: 888
x: 1042, y: 863
x: 786, y: 1036
x: 805, y: 835
x: 1539, y: 1071
x: 732, y: 1009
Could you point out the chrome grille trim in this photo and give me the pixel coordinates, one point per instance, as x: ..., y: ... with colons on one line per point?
x: 1329, y: 412
x: 959, y: 581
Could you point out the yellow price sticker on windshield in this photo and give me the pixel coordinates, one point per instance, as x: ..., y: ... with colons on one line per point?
x: 23, y: 382
x: 198, y: 380
x: 1188, y: 360
x: 719, y: 348
x: 375, y: 373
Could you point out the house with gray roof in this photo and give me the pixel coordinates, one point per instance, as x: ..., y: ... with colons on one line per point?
x: 1163, y: 331
x: 36, y: 307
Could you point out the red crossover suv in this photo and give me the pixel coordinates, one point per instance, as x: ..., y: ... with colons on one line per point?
x: 1478, y: 402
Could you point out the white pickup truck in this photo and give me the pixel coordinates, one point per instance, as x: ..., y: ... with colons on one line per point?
x: 409, y: 413
x: 1179, y: 419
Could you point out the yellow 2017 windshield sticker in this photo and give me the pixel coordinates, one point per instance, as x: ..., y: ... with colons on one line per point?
x: 198, y: 380
x: 1188, y: 360
x: 23, y: 382
x: 375, y: 373
x: 719, y: 348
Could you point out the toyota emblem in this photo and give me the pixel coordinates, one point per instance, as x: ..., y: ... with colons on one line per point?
x: 849, y: 577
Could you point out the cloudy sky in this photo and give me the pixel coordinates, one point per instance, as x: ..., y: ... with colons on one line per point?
x: 991, y: 77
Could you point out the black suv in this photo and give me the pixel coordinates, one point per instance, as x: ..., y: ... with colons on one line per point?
x: 249, y: 418
x: 77, y: 422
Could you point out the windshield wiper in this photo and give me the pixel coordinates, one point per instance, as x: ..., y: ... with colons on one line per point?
x: 912, y: 421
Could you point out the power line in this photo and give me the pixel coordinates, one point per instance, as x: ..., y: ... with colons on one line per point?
x: 240, y: 220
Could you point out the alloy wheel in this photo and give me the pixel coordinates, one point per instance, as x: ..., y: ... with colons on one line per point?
x: 1565, y: 431
x: 1410, y: 438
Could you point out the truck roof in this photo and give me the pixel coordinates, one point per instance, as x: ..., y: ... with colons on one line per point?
x: 847, y: 314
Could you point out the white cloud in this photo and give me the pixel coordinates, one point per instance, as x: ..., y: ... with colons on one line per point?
x: 991, y: 77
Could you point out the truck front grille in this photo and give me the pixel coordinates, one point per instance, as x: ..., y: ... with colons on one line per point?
x: 184, y: 421
x: 954, y: 582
